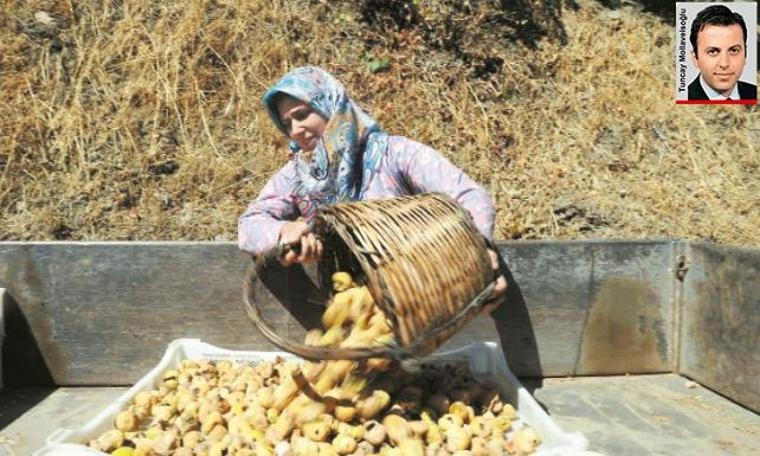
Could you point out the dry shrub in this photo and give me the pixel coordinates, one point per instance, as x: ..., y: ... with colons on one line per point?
x: 142, y: 119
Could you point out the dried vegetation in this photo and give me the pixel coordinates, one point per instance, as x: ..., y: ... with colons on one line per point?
x: 141, y: 120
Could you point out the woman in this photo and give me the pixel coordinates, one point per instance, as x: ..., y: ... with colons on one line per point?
x: 339, y: 153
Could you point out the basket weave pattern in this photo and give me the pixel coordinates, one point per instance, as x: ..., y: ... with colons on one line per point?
x: 422, y: 258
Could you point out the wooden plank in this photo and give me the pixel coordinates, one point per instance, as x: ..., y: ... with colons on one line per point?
x: 584, y: 308
x: 103, y: 313
x: 721, y: 322
x: 3, y: 298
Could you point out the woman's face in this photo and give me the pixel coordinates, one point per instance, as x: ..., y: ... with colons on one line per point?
x: 304, y: 125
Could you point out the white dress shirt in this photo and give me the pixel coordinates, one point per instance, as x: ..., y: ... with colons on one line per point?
x: 713, y: 95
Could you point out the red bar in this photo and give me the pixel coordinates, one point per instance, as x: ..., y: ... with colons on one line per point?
x: 718, y: 102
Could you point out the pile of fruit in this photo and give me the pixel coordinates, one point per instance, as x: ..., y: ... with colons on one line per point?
x: 291, y: 408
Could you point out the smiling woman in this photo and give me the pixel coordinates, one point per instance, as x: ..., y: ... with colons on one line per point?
x: 339, y: 153
x: 303, y: 124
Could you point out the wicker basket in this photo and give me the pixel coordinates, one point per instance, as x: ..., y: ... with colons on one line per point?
x: 424, y: 262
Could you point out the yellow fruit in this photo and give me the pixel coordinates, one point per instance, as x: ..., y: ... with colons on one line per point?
x: 162, y: 412
x: 141, y: 450
x: 353, y: 385
x: 190, y: 439
x: 509, y: 412
x: 327, y: 450
x: 457, y: 438
x: 499, y: 425
x: 217, y: 433
x: 434, y: 434
x: 419, y: 428
x: 316, y: 431
x: 462, y: 410
x: 271, y: 415
x: 110, y: 440
x: 263, y: 450
x: 284, y: 393
x: 143, y: 399
x: 397, y: 428
x: 312, y: 370
x: 378, y: 364
x: 256, y: 435
x: 449, y: 421
x: 313, y: 408
x: 170, y: 379
x: 479, y: 426
x: 217, y: 449
x: 304, y: 447
x: 236, y: 409
x: 312, y: 336
x: 345, y: 413
x: 361, y: 305
x: 525, y: 441
x: 332, y: 337
x: 126, y: 421
x: 310, y: 411
x: 411, y: 447
x: 356, y: 432
x: 211, y: 421
x: 338, y: 311
x: 123, y: 451
x: 284, y: 425
x: 182, y: 451
x: 478, y: 447
x: 341, y: 281
x: 344, y: 444
x: 377, y: 402
x: 264, y: 396
x: 374, y: 432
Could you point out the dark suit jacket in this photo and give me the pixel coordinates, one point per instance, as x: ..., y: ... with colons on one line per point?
x: 746, y: 91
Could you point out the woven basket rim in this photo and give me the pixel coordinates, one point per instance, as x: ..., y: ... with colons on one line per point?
x: 400, y: 265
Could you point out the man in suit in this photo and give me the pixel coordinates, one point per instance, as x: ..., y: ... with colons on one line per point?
x: 719, y: 49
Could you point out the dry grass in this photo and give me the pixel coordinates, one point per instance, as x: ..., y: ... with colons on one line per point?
x: 142, y: 119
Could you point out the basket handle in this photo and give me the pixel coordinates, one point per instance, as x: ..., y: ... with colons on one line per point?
x: 278, y: 252
x: 305, y: 351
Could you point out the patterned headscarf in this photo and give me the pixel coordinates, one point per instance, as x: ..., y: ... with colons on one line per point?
x: 347, y: 155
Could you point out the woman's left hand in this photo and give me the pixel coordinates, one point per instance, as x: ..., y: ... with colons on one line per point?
x: 500, y: 289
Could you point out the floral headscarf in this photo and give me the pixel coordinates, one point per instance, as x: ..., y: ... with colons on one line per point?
x: 348, y: 153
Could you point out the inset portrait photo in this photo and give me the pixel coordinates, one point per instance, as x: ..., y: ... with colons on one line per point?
x: 716, y: 53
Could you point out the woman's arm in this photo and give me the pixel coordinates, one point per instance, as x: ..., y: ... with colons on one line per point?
x: 423, y: 169
x: 259, y: 226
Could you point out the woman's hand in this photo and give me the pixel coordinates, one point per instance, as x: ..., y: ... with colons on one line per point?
x: 501, y: 285
x: 294, y: 233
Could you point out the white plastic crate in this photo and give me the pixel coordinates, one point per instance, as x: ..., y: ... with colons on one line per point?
x: 486, y: 363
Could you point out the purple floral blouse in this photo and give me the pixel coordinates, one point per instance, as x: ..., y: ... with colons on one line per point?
x: 407, y: 167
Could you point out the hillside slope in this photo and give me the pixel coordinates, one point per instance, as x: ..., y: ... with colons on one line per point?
x: 142, y: 120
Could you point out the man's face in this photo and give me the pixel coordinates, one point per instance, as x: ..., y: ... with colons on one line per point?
x: 720, y: 56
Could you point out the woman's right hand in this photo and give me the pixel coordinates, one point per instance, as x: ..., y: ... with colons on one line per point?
x: 298, y: 232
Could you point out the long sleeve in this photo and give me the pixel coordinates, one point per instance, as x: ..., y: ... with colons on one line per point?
x: 423, y: 169
x: 259, y: 226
